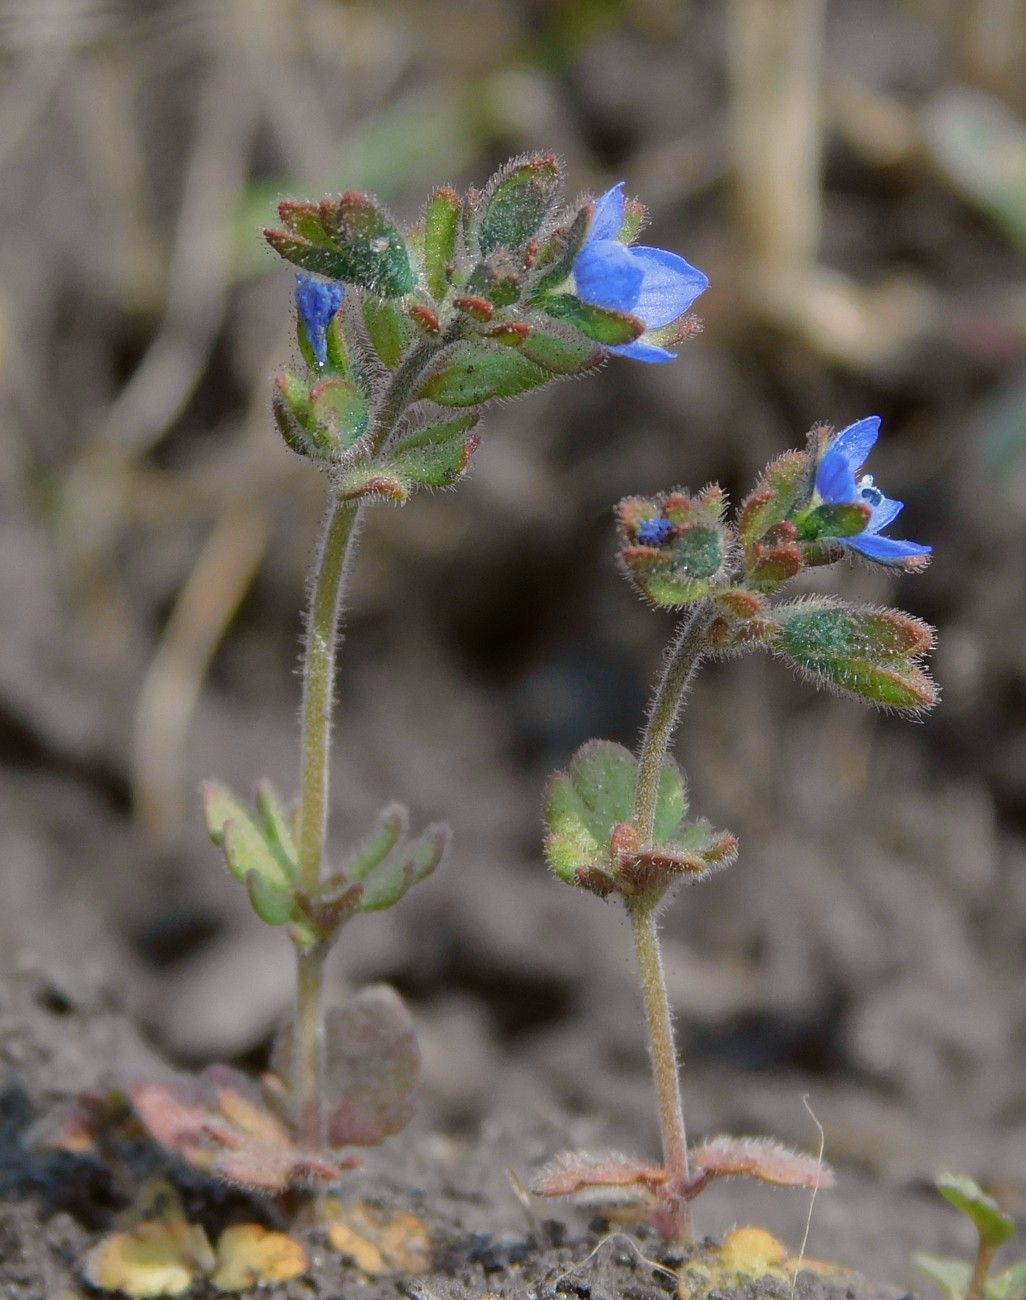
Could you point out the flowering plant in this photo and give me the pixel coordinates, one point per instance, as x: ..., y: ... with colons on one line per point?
x: 404, y: 336
x: 616, y: 822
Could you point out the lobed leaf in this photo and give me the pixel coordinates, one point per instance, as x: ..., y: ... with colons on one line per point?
x: 605, y: 1179
x: 251, y: 858
x: 392, y: 823
x: 250, y: 1255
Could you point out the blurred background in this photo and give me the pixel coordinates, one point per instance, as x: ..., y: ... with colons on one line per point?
x: 852, y: 177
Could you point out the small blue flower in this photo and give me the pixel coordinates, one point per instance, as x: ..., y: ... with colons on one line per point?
x: 651, y: 283
x: 654, y: 532
x: 836, y: 484
x: 317, y: 302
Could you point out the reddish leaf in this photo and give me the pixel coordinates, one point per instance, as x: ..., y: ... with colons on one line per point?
x: 371, y: 1069
x: 729, y: 1157
x: 608, y: 1179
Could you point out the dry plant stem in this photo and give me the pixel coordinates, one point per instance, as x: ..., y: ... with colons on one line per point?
x: 681, y: 662
x: 320, y: 653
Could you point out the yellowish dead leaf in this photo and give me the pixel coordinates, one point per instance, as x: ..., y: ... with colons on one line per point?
x: 153, y: 1259
x: 379, y: 1240
x: 250, y: 1255
x: 746, y: 1254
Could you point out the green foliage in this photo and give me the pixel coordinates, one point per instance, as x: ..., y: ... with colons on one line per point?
x: 474, y: 372
x: 388, y: 329
x: 871, y: 654
x: 590, y: 842
x: 434, y: 456
x: 518, y: 202
x: 605, y: 326
x: 322, y: 420
x: 556, y: 257
x: 965, y: 1194
x: 833, y: 521
x: 441, y: 232
x: 784, y: 484
x: 256, y: 856
x: 350, y: 239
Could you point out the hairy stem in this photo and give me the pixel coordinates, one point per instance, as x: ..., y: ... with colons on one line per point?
x: 663, y: 1053
x: 320, y: 653
x: 681, y: 661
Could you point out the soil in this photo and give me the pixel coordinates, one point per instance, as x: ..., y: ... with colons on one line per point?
x: 53, y: 1207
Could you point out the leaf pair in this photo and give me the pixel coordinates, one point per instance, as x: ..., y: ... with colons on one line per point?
x: 591, y: 843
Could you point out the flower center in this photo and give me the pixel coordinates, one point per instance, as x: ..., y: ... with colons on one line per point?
x: 868, y: 490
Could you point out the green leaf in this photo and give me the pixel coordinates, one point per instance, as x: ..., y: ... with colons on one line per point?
x: 517, y: 202
x: 436, y: 455
x: 251, y: 858
x: 474, y: 372
x: 339, y: 410
x: 951, y: 1275
x: 558, y: 253
x: 869, y: 654
x: 834, y: 521
x: 965, y: 1194
x: 349, y: 239
x: 785, y: 483
x: 276, y: 827
x: 586, y: 803
x: 602, y: 324
x: 1009, y: 1284
x: 368, y: 479
x: 561, y: 353
x: 441, y: 229
x: 392, y: 823
x: 388, y: 329
x: 385, y: 884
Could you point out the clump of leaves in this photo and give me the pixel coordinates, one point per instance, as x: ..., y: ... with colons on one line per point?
x: 961, y: 1279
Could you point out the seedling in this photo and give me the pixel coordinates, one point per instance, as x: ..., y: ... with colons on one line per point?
x: 958, y: 1278
x: 617, y: 822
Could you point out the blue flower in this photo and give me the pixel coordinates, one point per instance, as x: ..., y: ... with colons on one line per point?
x: 317, y: 302
x: 651, y: 283
x: 836, y: 484
x: 654, y: 532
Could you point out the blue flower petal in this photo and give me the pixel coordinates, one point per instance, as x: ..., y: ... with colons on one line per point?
x: 607, y: 218
x: 642, y: 351
x: 669, y: 288
x: 607, y: 275
x: 317, y: 301
x: 857, y: 441
x: 886, y: 550
x: 884, y: 512
x: 835, y: 481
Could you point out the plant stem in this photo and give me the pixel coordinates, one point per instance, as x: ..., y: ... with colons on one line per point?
x: 682, y: 659
x: 663, y: 1053
x: 320, y: 653
x: 981, y: 1270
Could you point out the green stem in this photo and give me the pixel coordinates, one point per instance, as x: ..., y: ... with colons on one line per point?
x: 320, y: 654
x: 663, y: 1054
x: 682, y: 660
x: 981, y: 1270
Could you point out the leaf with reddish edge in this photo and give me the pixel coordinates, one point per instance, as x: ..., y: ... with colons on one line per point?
x: 761, y: 1158
x: 372, y: 1063
x: 577, y: 1173
x: 217, y: 1123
